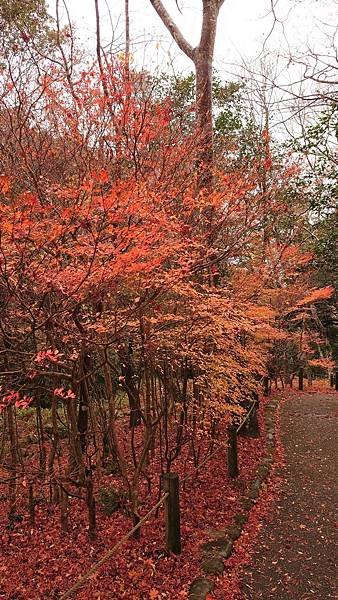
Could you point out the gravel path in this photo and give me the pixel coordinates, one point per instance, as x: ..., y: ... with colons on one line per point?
x: 297, y: 551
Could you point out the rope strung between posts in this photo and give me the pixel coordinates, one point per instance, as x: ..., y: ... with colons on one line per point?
x: 128, y: 535
x: 110, y: 552
x: 246, y: 416
x: 187, y: 477
x: 219, y: 446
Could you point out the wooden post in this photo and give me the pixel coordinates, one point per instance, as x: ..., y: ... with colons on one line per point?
x: 172, y: 512
x: 336, y: 386
x: 301, y: 379
x: 253, y: 422
x: 332, y: 380
x: 232, y: 451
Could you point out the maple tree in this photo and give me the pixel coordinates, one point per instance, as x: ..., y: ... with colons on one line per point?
x: 137, y: 310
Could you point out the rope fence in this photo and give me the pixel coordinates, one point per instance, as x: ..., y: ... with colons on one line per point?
x: 249, y: 426
x: 170, y: 498
x: 247, y: 416
x: 112, y: 551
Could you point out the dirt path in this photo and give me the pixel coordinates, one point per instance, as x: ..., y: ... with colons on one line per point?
x: 297, y: 551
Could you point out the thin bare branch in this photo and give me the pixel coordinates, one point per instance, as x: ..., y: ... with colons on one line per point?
x: 179, y: 38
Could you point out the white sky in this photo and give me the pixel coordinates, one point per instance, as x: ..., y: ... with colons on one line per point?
x: 242, y: 27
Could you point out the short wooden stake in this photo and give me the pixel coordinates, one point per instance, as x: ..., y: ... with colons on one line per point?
x: 331, y: 380
x: 301, y: 379
x: 172, y: 513
x: 253, y: 422
x: 232, y: 451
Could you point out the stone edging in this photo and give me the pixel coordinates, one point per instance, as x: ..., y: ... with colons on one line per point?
x: 218, y: 550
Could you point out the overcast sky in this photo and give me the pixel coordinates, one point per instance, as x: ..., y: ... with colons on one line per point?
x: 245, y: 29
x: 242, y: 27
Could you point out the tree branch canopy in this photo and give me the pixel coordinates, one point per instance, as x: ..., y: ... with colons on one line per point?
x: 179, y: 38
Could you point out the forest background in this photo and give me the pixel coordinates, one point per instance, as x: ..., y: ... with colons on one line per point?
x: 167, y: 241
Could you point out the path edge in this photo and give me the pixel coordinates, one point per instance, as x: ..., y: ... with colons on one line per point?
x: 217, y: 552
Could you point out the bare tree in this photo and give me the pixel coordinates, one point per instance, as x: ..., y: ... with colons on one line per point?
x: 202, y: 57
x: 127, y: 29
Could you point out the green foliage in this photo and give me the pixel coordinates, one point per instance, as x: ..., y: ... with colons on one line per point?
x: 62, y: 430
x: 22, y: 21
x: 112, y: 500
x: 318, y: 184
x: 235, y: 132
x: 325, y: 248
x: 230, y: 115
x: 318, y: 145
x: 112, y: 468
x: 326, y: 272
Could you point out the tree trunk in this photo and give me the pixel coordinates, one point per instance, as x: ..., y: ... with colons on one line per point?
x: 76, y: 464
x: 13, y: 463
x: 41, y: 440
x: 202, y: 57
x: 127, y: 369
x: 83, y: 414
x: 53, y: 451
x: 204, y: 119
x: 127, y: 33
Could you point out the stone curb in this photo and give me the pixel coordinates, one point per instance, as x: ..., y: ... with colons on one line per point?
x: 216, y: 551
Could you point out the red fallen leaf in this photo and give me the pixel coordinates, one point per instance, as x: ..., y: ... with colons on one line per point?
x: 102, y: 176
x: 4, y: 184
x: 153, y: 594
